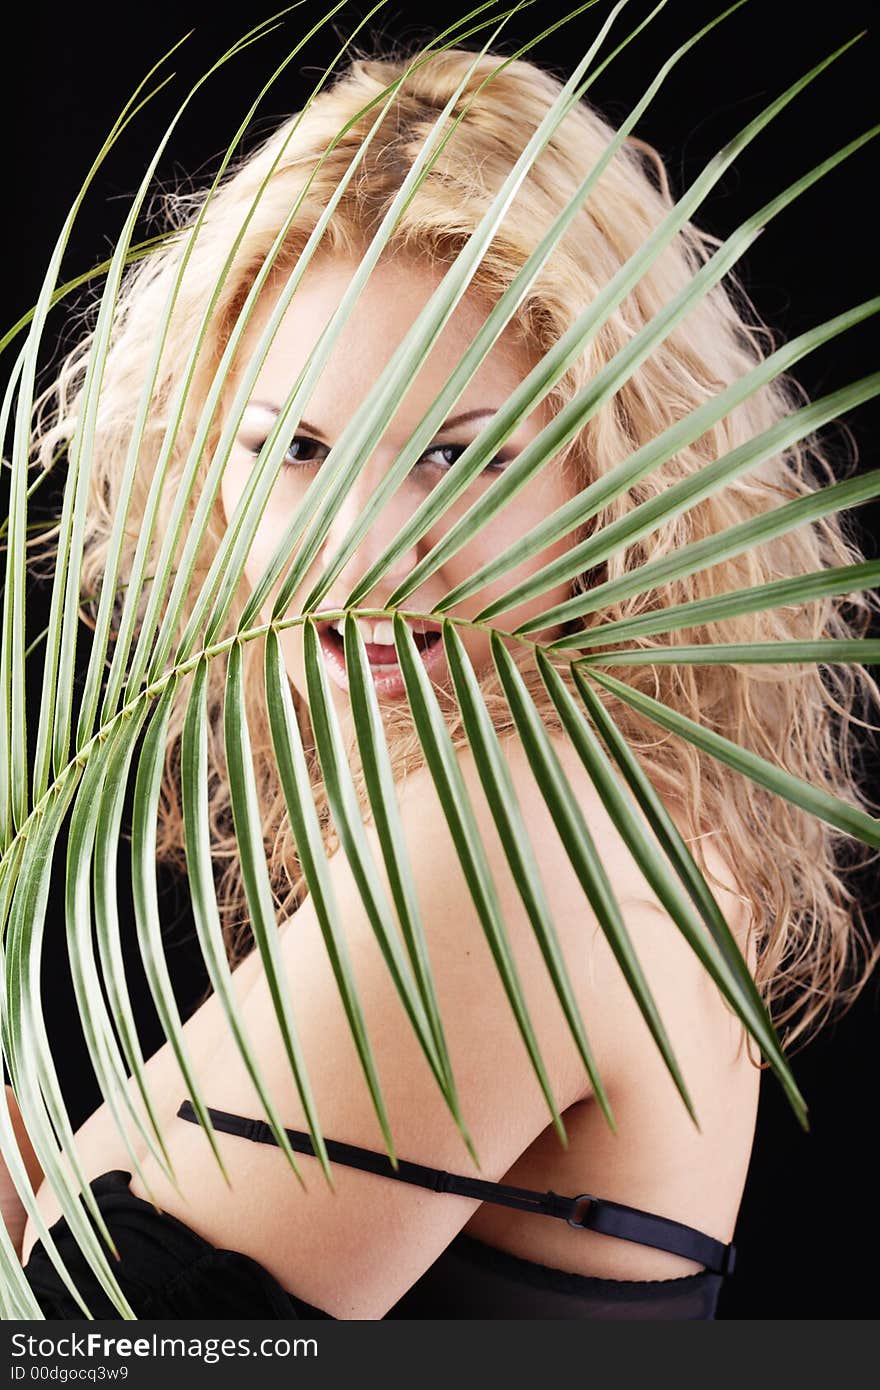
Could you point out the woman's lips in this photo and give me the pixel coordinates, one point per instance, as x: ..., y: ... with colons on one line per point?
x: 384, y: 667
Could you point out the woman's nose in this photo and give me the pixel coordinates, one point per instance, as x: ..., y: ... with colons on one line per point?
x: 350, y: 513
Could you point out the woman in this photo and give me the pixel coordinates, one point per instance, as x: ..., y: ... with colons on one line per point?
x: 375, y: 1247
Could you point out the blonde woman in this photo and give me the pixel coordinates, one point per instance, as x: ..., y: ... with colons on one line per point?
x: 636, y: 1223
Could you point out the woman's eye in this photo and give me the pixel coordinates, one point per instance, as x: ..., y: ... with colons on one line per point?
x: 302, y: 449
x: 451, y: 452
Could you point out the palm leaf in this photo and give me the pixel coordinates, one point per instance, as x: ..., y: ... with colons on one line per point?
x: 576, y: 413
x: 838, y: 579
x: 736, y: 540
x: 833, y: 649
x: 850, y: 819
x: 501, y: 795
x: 580, y: 846
x: 726, y: 965
x: 379, y: 779
x: 13, y: 795
x: 642, y: 462
x: 84, y: 771
x: 370, y: 420
x: 90, y: 697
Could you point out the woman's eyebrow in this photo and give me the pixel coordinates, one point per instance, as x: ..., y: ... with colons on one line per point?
x: 467, y: 415
x: 275, y: 410
x: 453, y: 420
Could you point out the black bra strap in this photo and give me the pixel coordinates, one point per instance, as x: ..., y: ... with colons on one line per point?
x: 585, y: 1211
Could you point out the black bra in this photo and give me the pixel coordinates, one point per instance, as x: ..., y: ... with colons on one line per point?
x: 584, y: 1212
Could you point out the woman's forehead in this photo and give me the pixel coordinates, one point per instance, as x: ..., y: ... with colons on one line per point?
x: 386, y: 309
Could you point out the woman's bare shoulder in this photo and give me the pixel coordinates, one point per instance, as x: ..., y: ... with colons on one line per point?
x: 681, y: 986
x: 688, y: 999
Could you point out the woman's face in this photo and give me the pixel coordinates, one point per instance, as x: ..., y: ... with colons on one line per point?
x: 393, y: 297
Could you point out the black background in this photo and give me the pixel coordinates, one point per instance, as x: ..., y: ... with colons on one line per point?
x: 808, y: 1228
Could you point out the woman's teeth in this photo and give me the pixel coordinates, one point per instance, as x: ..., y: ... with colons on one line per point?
x: 380, y: 631
x: 375, y: 634
x: 378, y: 637
x: 379, y: 650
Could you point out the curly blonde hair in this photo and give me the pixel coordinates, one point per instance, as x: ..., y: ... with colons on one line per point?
x: 813, y: 949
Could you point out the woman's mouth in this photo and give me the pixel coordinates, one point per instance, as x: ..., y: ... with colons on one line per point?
x: 382, y: 657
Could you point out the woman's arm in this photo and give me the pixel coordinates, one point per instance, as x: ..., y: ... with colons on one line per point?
x: 11, y: 1206
x: 354, y: 1251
